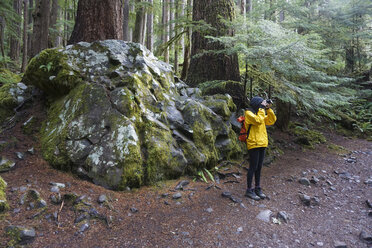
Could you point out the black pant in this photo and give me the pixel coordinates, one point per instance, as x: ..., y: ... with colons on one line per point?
x: 256, y: 157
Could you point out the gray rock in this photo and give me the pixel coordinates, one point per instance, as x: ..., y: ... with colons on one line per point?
x: 56, y: 198
x: 315, y: 201
x: 16, y: 210
x: 31, y: 151
x: 306, y: 200
x: 345, y: 175
x: 369, y: 203
x: 21, y: 234
x: 304, y: 181
x: 102, y: 199
x: 177, y: 196
x: 264, y: 215
x: 6, y: 164
x: 314, y: 180
x: 181, y: 184
x: 84, y: 227
x: 366, y: 237
x: 133, y: 210
x: 283, y: 216
x: 226, y: 194
x: 239, y: 230
x: 333, y: 188
x: 321, y: 244
x: 340, y: 244
x: 41, y: 203
x: 54, y: 189
x: 209, y: 210
x: 164, y: 195
x: 368, y: 181
x: 59, y: 185
x: 20, y: 155
x: 81, y: 217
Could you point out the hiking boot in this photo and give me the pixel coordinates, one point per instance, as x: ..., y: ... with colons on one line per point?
x: 259, y: 193
x: 251, y: 194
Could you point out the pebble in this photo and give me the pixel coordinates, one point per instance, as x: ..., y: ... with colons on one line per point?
x: 177, y: 196
x: 320, y: 244
x: 366, y: 237
x: 181, y: 184
x: 102, y: 199
x: 133, y: 210
x: 59, y: 185
x: 368, y: 181
x: 20, y: 155
x: 369, y: 203
x: 209, y: 210
x: 164, y: 195
x: 54, y: 189
x: 226, y: 194
x: 340, y: 244
x: 240, y: 229
x: 314, y: 180
x: 84, y: 227
x: 264, y: 215
x: 283, y: 215
x: 305, y: 199
x: 16, y: 210
x: 304, y: 181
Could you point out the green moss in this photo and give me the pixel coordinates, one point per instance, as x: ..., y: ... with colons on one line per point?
x: 50, y: 72
x: 337, y: 149
x: 220, y: 104
x: 4, y: 206
x: 7, y: 102
x: 31, y: 126
x: 306, y: 137
x: 205, y: 142
x: 8, y: 77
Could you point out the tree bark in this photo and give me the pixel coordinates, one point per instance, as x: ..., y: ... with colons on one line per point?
x: 283, y: 114
x: 187, y: 49
x: 138, y: 27
x: 53, y: 35
x: 25, y: 20
x: 211, y: 66
x: 15, y: 45
x: 98, y: 20
x: 30, y: 21
x: 41, y: 26
x: 166, y: 29
x: 176, y: 45
x: 126, y: 21
x: 2, y: 28
x: 150, y: 27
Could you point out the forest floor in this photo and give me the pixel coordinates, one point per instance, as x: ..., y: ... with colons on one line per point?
x: 202, y: 217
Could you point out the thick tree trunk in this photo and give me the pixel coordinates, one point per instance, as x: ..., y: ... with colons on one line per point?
x: 209, y: 67
x: 15, y: 44
x: 25, y: 20
x: 283, y: 114
x: 176, y: 45
x: 41, y: 26
x: 249, y: 6
x: 98, y: 20
x: 187, y: 49
x: 53, y: 35
x: 29, y: 34
x: 126, y: 20
x: 166, y: 29
x: 150, y: 27
x: 2, y: 28
x: 144, y: 26
x: 138, y: 27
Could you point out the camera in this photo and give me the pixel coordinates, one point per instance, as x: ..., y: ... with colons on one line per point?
x: 269, y: 101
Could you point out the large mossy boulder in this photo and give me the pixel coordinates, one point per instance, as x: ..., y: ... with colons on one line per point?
x: 118, y: 117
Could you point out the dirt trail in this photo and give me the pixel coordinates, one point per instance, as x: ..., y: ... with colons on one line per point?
x: 149, y: 217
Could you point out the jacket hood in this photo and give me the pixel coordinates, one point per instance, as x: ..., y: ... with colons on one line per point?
x: 256, y: 102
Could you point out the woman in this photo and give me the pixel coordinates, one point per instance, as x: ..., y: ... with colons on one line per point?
x: 255, y: 121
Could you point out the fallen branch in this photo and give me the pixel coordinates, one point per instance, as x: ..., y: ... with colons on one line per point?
x: 59, y: 212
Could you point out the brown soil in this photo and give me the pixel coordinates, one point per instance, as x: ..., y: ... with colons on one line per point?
x: 164, y: 222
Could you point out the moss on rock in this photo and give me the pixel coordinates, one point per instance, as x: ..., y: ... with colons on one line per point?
x: 4, y: 206
x: 306, y: 137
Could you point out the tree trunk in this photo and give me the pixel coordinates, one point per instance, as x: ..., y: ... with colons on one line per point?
x: 283, y: 114
x: 138, y: 27
x: 126, y: 21
x: 166, y: 29
x: 144, y: 28
x: 15, y: 45
x: 29, y: 33
x: 187, y: 50
x: 25, y: 20
x: 176, y: 45
x: 150, y: 27
x: 249, y: 6
x: 98, y: 20
x: 41, y: 26
x: 242, y: 7
x: 209, y: 67
x: 2, y: 28
x: 53, y: 35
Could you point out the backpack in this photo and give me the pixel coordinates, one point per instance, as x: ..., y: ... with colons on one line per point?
x: 244, y: 134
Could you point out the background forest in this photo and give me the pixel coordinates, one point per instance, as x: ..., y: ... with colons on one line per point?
x: 312, y: 56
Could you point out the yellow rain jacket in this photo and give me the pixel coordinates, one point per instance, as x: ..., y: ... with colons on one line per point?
x: 257, y: 134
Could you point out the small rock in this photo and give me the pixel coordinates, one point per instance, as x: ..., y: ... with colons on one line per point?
x: 305, y: 199
x: 22, y: 189
x: 315, y: 201
x: 239, y: 230
x: 102, y: 199
x: 235, y: 199
x: 81, y: 217
x: 304, y: 181
x: 41, y: 203
x: 340, y: 244
x: 320, y: 244
x: 314, y: 180
x: 59, y: 185
x: 369, y: 203
x: 54, y: 189
x: 56, y: 198
x: 226, y: 194
x: 93, y: 213
x: 166, y: 203
x: 366, y: 237
x: 264, y: 215
x: 21, y: 234
x: 283, y: 215
x: 209, y: 210
x: 20, y: 155
x: 164, y: 195
x: 329, y: 183
x: 345, y: 175
x: 181, y: 184
x: 333, y: 188
x: 31, y: 151
x: 84, y: 227
x: 6, y: 165
x: 368, y: 181
x: 16, y: 210
x: 177, y: 196
x: 133, y: 210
